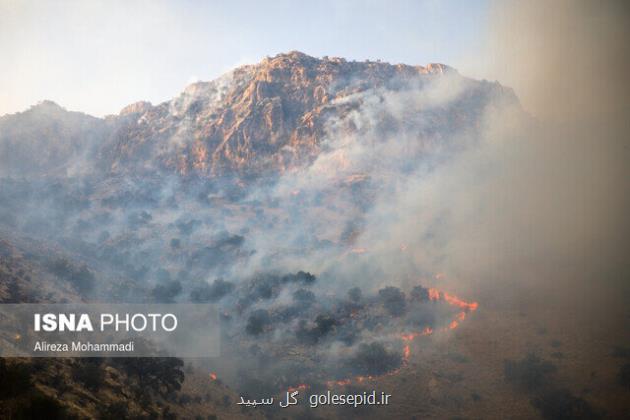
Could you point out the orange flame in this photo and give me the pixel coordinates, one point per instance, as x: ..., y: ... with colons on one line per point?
x: 455, y: 301
x: 213, y: 376
x: 406, y: 352
x: 300, y: 387
x: 434, y: 294
x: 407, y: 338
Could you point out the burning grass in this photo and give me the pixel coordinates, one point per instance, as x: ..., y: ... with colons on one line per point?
x: 286, y: 333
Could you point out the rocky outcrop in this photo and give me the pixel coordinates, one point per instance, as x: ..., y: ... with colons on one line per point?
x: 256, y: 119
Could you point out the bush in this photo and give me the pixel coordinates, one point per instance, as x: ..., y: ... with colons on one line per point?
x: 323, y: 325
x: 80, y: 277
x: 420, y: 293
x: 560, y: 404
x: 160, y: 374
x: 165, y: 292
x: 393, y: 300
x: 304, y: 297
x: 89, y: 374
x: 258, y: 322
x: 528, y: 373
x: 374, y: 359
x: 299, y: 277
x: 354, y: 294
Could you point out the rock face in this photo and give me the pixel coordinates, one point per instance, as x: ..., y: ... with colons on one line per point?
x: 256, y: 119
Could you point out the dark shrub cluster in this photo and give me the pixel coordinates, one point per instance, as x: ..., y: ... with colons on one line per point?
x: 393, y: 300
x: 528, y: 373
x: 166, y: 292
x: 374, y: 359
x: 89, y: 373
x: 324, y: 323
x: 560, y: 404
x: 159, y: 374
x: 79, y: 276
x: 258, y: 321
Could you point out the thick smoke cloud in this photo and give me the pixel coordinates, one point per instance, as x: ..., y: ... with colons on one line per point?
x: 561, y: 198
x: 543, y: 205
x: 438, y: 175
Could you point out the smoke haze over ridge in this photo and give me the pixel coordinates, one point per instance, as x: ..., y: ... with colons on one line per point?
x: 310, y: 198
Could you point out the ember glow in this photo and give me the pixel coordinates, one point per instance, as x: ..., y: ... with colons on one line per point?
x: 408, y: 338
x: 300, y: 387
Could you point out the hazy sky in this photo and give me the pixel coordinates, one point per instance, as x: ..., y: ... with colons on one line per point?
x: 98, y: 56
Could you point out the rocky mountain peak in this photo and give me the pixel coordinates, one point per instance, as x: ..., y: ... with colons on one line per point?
x: 261, y: 118
x: 136, y: 108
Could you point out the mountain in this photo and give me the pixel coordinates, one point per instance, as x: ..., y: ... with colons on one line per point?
x: 256, y: 119
x: 277, y: 192
x: 47, y: 139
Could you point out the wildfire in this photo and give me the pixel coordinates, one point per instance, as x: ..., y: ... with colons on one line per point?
x: 341, y: 382
x: 406, y: 352
x: 407, y: 338
x: 213, y: 376
x: 434, y: 294
x: 455, y: 301
x: 300, y: 387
